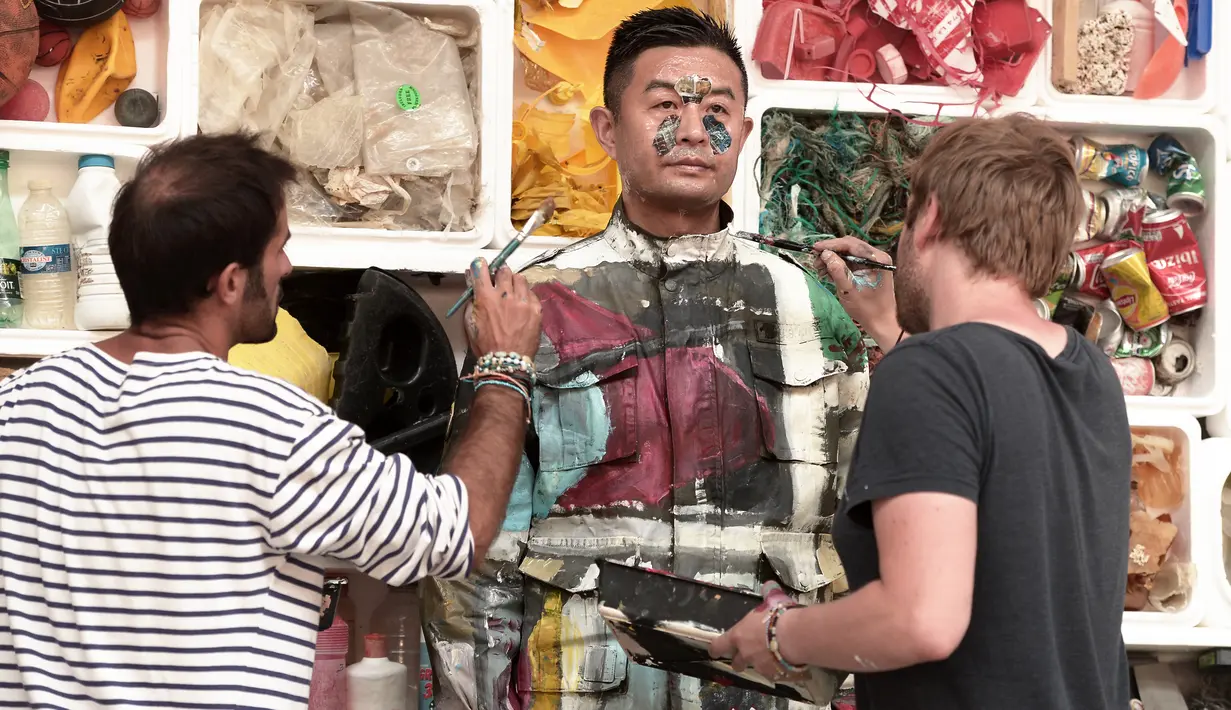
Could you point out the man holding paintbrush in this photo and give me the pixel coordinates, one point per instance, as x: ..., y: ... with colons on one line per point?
x: 696, y: 405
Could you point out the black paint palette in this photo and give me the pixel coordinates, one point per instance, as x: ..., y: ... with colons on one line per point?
x: 668, y: 622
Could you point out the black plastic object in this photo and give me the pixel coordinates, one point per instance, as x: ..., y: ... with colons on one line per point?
x: 77, y: 13
x: 137, y: 108
x: 396, y: 376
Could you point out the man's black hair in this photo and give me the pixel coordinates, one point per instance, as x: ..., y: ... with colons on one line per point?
x: 195, y: 206
x: 666, y: 27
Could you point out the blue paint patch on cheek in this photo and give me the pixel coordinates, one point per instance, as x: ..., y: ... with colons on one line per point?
x: 720, y: 137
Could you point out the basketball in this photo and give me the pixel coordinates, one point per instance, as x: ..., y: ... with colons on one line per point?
x: 77, y: 13
x: 18, y: 45
x: 54, y: 44
x: 30, y: 103
x: 141, y: 9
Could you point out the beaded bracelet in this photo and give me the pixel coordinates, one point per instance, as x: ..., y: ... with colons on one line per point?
x: 505, y: 364
x: 771, y: 637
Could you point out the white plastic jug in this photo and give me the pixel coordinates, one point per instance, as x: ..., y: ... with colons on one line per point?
x: 90, y: 201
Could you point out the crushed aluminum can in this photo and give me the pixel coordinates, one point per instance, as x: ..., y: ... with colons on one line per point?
x: 1176, y: 363
x: 1162, y: 390
x: 1136, y: 375
x: 1146, y: 343
x: 1091, y: 254
x: 1133, y: 291
x: 1043, y: 308
x: 1126, y: 211
x: 1106, y: 329
x: 1185, y: 184
x: 1094, y: 220
x: 1175, y: 261
x: 1124, y: 165
x: 1074, y: 312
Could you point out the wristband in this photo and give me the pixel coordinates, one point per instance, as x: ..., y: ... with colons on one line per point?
x: 771, y: 639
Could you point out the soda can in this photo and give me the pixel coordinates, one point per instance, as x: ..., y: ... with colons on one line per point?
x: 1075, y: 312
x: 1136, y: 375
x: 1126, y: 211
x: 1124, y: 165
x: 1176, y: 363
x: 1091, y: 255
x: 1043, y: 308
x: 1094, y: 221
x: 1143, y: 343
x: 1106, y: 328
x: 1133, y: 291
x: 1070, y: 273
x: 1185, y: 184
x: 1175, y: 261
x: 1161, y: 390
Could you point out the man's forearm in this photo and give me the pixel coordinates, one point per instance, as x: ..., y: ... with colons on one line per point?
x: 864, y: 632
x: 487, y: 457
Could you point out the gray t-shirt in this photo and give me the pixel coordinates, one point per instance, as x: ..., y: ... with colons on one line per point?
x: 1042, y: 446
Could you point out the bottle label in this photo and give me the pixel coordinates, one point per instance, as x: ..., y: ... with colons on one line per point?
x: 10, y: 285
x: 51, y: 259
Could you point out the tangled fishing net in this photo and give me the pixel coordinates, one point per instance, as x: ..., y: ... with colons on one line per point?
x: 837, y: 174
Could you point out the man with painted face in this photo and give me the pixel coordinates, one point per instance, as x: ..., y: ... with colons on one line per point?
x: 696, y: 405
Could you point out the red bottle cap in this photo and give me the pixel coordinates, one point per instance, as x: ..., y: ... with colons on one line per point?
x: 374, y: 646
x: 861, y: 64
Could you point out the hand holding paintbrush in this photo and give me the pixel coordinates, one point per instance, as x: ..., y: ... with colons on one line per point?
x: 536, y: 220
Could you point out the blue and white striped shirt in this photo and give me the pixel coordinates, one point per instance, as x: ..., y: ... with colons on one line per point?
x: 162, y: 526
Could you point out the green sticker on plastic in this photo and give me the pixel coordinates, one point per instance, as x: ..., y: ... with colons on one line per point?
x: 409, y: 98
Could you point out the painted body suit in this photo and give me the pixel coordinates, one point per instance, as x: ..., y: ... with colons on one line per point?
x: 697, y: 404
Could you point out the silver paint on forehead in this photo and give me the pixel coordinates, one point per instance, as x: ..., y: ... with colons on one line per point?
x: 693, y: 88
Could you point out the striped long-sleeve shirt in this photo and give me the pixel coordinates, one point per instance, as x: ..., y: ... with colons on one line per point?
x: 162, y: 525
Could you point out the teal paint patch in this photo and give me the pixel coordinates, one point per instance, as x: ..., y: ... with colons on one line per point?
x: 839, y: 334
x: 720, y: 137
x: 573, y: 435
x: 517, y: 515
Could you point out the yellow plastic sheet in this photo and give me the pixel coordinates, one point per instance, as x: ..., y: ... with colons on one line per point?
x: 570, y: 39
x: 292, y: 356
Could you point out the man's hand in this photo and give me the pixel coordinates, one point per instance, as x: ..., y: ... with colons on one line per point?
x: 503, y: 317
x: 747, y: 644
x: 866, y: 294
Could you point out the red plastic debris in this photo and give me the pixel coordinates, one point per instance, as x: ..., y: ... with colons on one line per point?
x: 791, y: 40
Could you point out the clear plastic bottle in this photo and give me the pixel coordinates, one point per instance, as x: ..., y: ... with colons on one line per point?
x: 48, y: 275
x: 397, y: 618
x: 10, y: 254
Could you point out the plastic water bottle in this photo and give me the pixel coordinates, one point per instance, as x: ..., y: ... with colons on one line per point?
x: 48, y: 276
x: 10, y: 254
x: 397, y: 618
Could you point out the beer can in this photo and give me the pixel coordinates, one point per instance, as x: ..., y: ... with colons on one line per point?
x: 1070, y: 273
x: 1144, y: 343
x: 1175, y: 261
x: 1133, y: 291
x: 1136, y: 375
x: 1176, y: 363
x: 1094, y: 221
x: 1126, y: 210
x: 1185, y: 184
x: 1124, y: 165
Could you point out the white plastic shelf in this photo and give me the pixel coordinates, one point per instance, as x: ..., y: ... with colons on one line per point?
x: 159, y: 71
x: 428, y: 251
x: 27, y: 343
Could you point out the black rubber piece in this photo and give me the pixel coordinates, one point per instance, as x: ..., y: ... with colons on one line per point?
x: 136, y: 108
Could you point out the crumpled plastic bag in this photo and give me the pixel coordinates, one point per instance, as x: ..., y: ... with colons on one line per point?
x: 394, y: 51
x: 327, y: 135
x: 1173, y: 586
x: 354, y: 186
x: 335, y: 59
x: 254, y: 58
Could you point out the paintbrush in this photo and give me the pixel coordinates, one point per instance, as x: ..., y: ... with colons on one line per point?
x: 536, y: 220
x: 850, y: 259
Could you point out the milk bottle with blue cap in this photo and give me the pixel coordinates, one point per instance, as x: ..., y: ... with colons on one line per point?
x: 100, y: 300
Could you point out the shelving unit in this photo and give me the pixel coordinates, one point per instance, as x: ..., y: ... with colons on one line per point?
x: 25, y: 343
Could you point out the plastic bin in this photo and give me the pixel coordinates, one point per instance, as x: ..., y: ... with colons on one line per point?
x: 1202, y: 394
x: 494, y: 51
x: 159, y: 71
x: 1196, y: 91
x: 1212, y: 480
x: 1193, y: 518
x: 921, y: 98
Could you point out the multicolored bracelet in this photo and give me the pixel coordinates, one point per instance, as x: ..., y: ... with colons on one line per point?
x: 771, y: 638
x: 501, y: 363
x: 507, y: 383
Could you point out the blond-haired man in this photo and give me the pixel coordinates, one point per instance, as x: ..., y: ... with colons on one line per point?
x: 986, y: 511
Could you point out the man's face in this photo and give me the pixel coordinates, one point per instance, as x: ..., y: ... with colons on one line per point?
x: 914, y: 304
x: 258, y: 320
x: 681, y: 127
